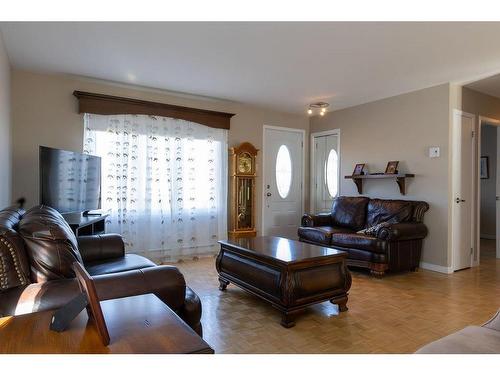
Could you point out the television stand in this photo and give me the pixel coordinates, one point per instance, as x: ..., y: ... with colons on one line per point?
x: 86, y: 225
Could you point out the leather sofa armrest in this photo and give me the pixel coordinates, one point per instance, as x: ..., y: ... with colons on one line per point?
x: 191, y: 311
x: 402, y: 231
x: 493, y: 323
x: 100, y: 247
x: 319, y: 220
x: 166, y: 282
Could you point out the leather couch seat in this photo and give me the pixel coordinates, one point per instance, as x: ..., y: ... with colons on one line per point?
x: 321, y: 234
x: 359, y: 241
x: 364, y: 255
x: 114, y: 265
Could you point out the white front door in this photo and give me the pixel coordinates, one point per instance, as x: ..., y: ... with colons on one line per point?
x: 326, y: 163
x: 463, y: 172
x: 283, y: 174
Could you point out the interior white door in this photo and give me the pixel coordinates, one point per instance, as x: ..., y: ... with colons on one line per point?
x: 326, y: 171
x: 463, y: 172
x: 283, y: 159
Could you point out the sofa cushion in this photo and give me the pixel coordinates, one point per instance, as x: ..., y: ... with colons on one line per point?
x: 321, y: 235
x: 50, y: 244
x: 363, y: 256
x: 385, y: 210
x: 470, y: 340
x: 359, y: 241
x: 349, y: 212
x: 127, y: 263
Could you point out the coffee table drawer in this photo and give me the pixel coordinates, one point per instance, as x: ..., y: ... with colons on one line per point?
x: 308, y: 283
x: 254, y: 274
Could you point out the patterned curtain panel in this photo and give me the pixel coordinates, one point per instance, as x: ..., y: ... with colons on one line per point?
x: 164, y: 182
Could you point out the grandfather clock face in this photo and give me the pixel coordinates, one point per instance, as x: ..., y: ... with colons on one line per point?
x: 244, y: 163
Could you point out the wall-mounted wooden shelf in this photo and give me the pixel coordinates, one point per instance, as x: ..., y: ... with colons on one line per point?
x: 400, y: 180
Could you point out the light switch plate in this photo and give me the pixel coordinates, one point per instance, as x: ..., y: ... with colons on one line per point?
x: 434, y: 152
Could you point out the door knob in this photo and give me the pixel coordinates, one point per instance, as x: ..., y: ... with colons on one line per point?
x: 497, y: 198
x: 268, y: 194
x: 458, y: 200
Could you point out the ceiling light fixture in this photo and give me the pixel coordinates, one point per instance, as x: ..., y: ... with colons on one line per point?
x: 314, y: 107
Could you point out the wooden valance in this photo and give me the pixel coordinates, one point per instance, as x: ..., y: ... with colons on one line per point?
x: 114, y: 105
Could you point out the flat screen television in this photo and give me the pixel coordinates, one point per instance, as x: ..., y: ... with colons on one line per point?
x: 69, y: 181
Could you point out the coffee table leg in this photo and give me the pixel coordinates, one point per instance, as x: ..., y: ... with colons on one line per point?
x: 223, y: 284
x: 287, y: 320
x: 341, y: 301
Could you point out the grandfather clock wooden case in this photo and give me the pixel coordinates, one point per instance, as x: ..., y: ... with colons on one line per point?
x: 242, y: 174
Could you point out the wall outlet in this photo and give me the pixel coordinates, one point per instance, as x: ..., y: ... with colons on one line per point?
x: 434, y: 152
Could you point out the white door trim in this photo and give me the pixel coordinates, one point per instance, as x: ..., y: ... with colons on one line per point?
x: 312, y: 190
x: 454, y: 188
x: 302, y: 197
x: 477, y: 219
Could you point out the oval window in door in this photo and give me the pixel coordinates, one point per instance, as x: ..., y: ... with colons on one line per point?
x: 331, y: 173
x: 283, y: 171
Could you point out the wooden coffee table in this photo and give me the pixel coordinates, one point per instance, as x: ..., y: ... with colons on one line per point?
x: 139, y: 324
x: 289, y: 274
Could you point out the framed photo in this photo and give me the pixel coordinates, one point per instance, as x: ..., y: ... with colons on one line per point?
x: 484, y: 168
x: 87, y: 286
x: 392, y: 167
x: 358, y: 169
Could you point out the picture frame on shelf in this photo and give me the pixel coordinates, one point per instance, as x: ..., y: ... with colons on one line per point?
x: 358, y: 169
x: 392, y: 167
x: 484, y: 170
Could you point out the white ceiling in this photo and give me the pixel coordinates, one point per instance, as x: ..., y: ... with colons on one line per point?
x: 490, y: 85
x: 284, y: 66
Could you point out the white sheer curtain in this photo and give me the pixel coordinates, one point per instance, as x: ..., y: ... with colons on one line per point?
x: 164, y: 182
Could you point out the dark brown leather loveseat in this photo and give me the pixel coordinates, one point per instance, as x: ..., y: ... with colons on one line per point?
x: 379, y: 234
x: 38, y: 247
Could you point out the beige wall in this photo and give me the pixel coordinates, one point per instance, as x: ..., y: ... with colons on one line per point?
x: 5, y: 128
x: 400, y: 128
x: 45, y: 113
x: 489, y: 185
x: 479, y: 104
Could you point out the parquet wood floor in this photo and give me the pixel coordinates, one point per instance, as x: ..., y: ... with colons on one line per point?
x: 396, y: 314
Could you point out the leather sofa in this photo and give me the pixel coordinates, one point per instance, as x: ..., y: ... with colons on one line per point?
x: 379, y: 234
x: 37, y: 249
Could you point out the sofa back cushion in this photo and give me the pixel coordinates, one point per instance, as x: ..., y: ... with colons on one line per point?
x: 14, y: 267
x: 386, y: 210
x: 349, y: 212
x: 50, y: 243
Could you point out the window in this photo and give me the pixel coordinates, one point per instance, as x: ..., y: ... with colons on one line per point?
x: 283, y: 171
x: 331, y: 173
x: 163, y: 180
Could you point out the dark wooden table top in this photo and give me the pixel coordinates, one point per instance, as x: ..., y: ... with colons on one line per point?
x: 139, y: 324
x: 282, y: 249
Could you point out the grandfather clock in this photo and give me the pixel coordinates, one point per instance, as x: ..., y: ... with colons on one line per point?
x: 242, y: 175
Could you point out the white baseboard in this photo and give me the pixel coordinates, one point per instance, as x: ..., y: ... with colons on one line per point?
x: 436, y: 268
x: 488, y: 236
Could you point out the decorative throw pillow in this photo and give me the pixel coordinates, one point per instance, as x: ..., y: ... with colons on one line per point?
x: 372, y: 231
